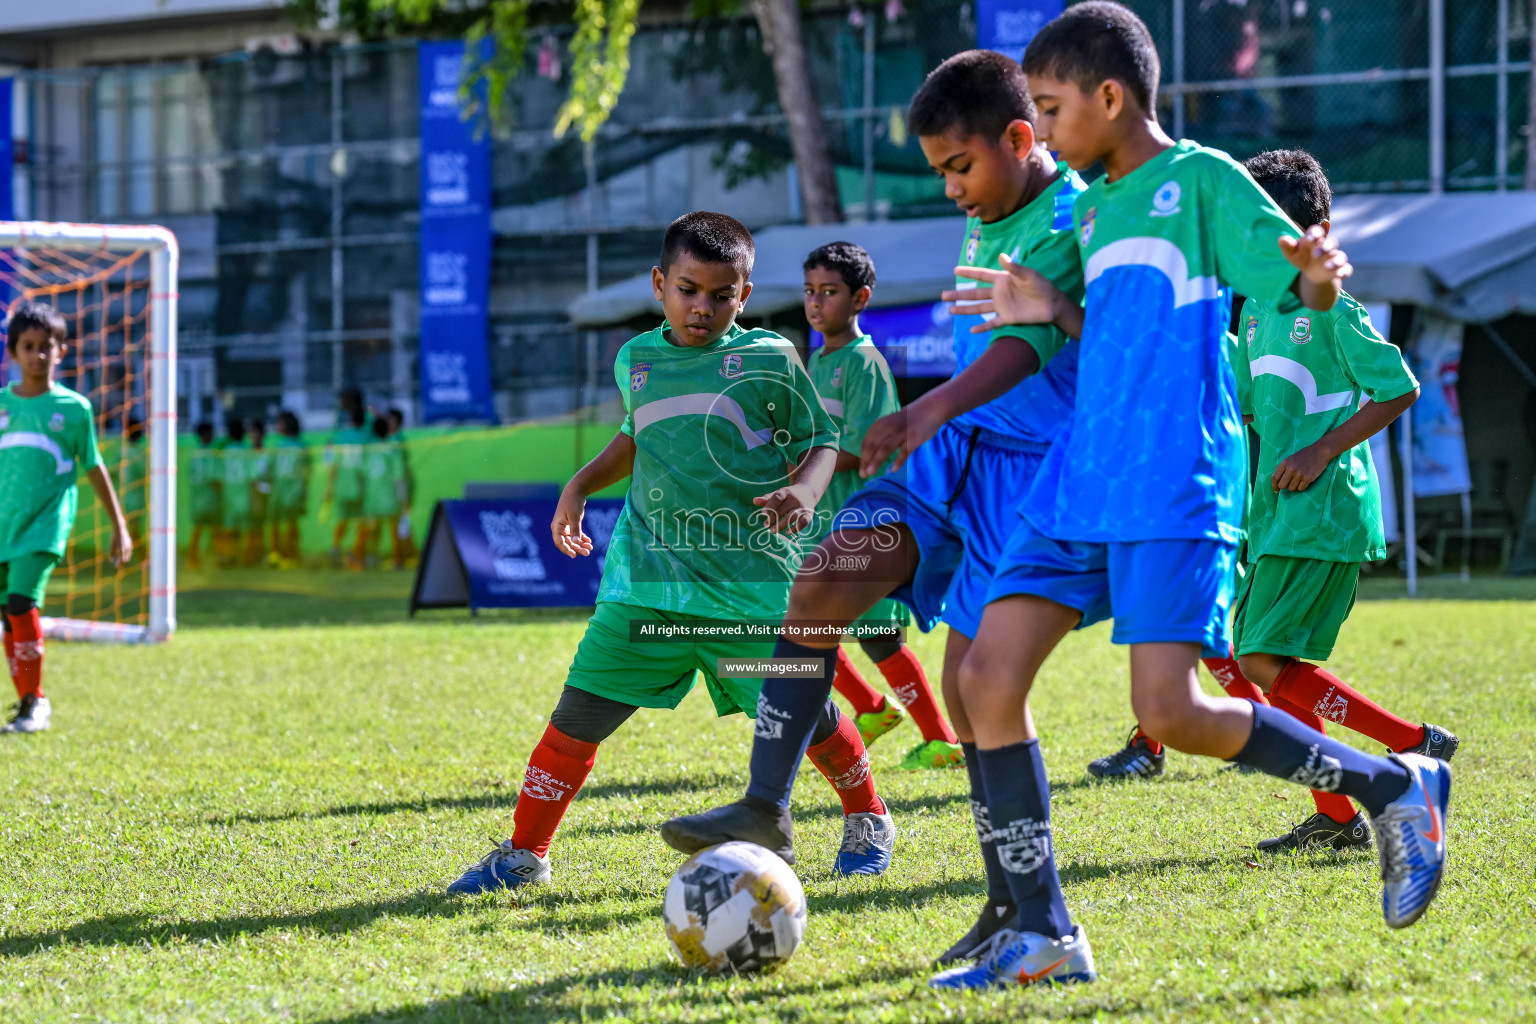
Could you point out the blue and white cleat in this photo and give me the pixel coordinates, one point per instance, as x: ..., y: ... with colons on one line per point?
x: 868, y: 839
x: 1024, y: 958
x: 1410, y: 835
x: 505, y: 867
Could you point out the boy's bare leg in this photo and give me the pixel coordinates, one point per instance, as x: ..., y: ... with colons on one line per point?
x: 956, y: 647
x: 1016, y: 635
x: 1169, y: 703
x: 841, y: 585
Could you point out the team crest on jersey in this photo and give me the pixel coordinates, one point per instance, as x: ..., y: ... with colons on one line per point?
x: 1301, y: 330
x: 972, y: 244
x: 56, y: 422
x: 638, y: 375
x: 1093, y: 211
x: 837, y: 377
x: 1165, y: 201
x: 1253, y: 328
x: 730, y: 366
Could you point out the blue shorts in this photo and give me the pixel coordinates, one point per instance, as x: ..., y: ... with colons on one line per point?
x: 959, y: 495
x: 1157, y: 591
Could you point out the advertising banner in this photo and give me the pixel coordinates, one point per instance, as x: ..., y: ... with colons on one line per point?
x: 1439, y: 445
x: 917, y: 341
x: 499, y: 554
x: 455, y: 245
x: 1007, y: 26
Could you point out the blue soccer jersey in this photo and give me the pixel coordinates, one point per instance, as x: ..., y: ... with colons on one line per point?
x: 1153, y: 449
x: 1039, y: 236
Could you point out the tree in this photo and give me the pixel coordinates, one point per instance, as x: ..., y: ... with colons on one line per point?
x: 599, y: 53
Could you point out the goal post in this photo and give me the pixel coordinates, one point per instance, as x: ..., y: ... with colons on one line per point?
x: 116, y: 287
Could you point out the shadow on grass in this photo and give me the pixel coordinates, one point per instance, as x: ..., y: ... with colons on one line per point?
x: 132, y: 929
x: 503, y: 798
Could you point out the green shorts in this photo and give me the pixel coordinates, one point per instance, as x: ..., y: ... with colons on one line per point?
x: 1293, y: 606
x: 887, y: 612
x: 349, y: 508
x: 659, y: 674
x: 209, y: 514
x: 27, y: 575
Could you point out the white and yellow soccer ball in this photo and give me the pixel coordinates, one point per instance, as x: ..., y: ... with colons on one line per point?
x: 736, y: 907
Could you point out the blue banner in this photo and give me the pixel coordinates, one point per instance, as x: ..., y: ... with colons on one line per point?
x: 7, y: 154
x: 1007, y: 26
x: 511, y: 560
x: 455, y: 245
x: 917, y: 341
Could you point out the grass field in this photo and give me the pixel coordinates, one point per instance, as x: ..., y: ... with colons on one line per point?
x: 257, y: 824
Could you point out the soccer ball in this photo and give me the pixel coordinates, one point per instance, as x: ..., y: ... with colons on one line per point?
x: 736, y: 907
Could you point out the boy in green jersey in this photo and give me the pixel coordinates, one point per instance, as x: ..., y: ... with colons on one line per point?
x: 133, y: 471
x: 259, y: 470
x: 406, y: 544
x: 344, y: 488
x: 291, y: 463
x: 383, y: 493
x: 1136, y: 512
x: 47, y: 437
x: 234, y: 453
x: 706, y: 540
x: 205, y: 492
x: 857, y: 389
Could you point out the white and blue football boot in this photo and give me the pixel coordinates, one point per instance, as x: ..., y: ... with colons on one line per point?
x: 505, y: 867
x: 868, y: 839
x: 1024, y: 958
x: 1410, y: 836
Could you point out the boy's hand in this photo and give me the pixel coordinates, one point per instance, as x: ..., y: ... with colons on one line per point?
x: 1017, y: 294
x: 121, y: 552
x: 895, y: 436
x: 789, y: 509
x: 1297, y: 472
x: 1317, y: 256
x: 566, y: 526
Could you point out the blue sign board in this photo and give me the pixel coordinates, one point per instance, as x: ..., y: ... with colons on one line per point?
x: 455, y: 245
x: 917, y: 341
x: 1007, y: 26
x: 499, y: 554
x: 7, y: 153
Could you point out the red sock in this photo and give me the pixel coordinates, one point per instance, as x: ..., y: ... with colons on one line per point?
x: 1309, y: 686
x: 10, y: 659
x: 24, y: 644
x: 854, y: 687
x: 1153, y: 746
x: 556, y: 769
x: 1231, y: 678
x: 845, y: 763
x: 1333, y: 805
x: 910, y: 684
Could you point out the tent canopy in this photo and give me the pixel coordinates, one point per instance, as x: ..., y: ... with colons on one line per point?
x: 1470, y: 255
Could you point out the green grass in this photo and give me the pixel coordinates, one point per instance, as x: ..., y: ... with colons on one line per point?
x: 258, y: 823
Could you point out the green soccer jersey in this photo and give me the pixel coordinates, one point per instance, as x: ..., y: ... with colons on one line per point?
x: 714, y: 427
x: 45, y: 443
x: 205, y: 483
x: 237, y: 482
x: 1039, y: 236
x: 1303, y: 374
x: 290, y: 478
x: 351, y: 444
x: 132, y: 485
x: 381, y: 492
x: 856, y: 388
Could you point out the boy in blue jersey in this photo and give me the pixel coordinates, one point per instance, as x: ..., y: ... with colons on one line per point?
x: 1135, y: 512
x: 930, y: 531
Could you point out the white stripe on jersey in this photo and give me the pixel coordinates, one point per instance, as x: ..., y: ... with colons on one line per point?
x: 705, y: 403
x: 1159, y: 254
x: 1299, y: 375
x: 27, y: 439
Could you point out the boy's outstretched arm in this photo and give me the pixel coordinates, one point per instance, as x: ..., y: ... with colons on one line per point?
x: 1018, y: 295
x: 1297, y: 472
x: 1006, y: 362
x: 792, y: 508
x: 615, y: 462
x: 1323, y: 266
x: 122, y: 544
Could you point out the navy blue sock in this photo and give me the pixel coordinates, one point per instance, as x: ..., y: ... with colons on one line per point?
x: 787, y: 712
x: 1283, y: 747
x: 1019, y: 804
x: 997, y: 882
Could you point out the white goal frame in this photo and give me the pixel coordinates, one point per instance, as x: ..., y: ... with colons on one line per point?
x: 164, y: 257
